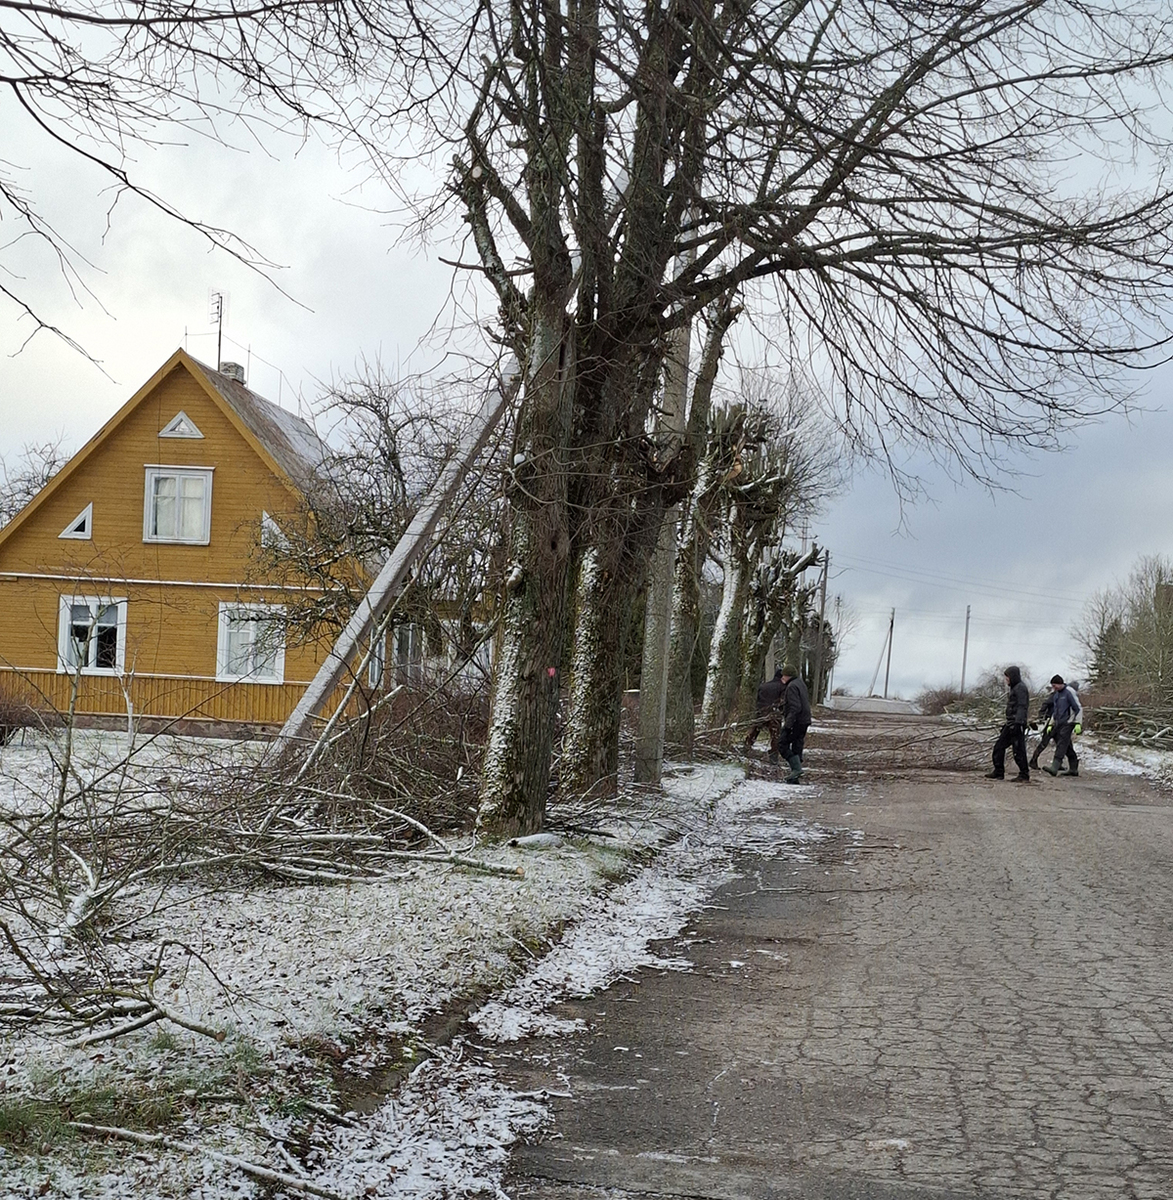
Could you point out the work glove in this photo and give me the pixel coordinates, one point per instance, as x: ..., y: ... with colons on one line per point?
x: 1078, y: 729
x: 1047, y: 727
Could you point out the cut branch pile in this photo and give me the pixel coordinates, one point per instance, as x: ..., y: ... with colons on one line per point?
x: 1147, y: 725
x: 90, y: 851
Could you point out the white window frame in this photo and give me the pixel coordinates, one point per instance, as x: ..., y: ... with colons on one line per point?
x: 228, y: 609
x: 272, y: 535
x: 180, y: 426
x: 82, y: 526
x: 162, y: 471
x: 65, y: 627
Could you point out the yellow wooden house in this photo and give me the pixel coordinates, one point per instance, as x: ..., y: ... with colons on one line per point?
x: 130, y: 583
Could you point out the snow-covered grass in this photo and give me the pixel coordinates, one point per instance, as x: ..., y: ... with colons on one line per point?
x: 326, y: 992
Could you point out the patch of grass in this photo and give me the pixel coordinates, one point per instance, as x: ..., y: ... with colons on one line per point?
x: 35, y: 1125
x: 164, y: 1040
x: 245, y: 1058
x: 614, y: 865
x: 41, y: 1124
x: 146, y: 1103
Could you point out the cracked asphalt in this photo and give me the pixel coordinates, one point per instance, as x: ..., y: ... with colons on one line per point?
x: 973, y: 1000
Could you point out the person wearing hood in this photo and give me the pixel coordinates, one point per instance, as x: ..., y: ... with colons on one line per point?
x: 1013, y: 733
x: 1066, y: 721
x: 769, y: 714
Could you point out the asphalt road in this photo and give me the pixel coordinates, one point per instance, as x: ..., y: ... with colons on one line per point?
x: 976, y: 1000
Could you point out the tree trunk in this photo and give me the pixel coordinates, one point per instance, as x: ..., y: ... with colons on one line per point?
x: 654, y: 670
x: 612, y: 575
x: 516, y: 774
x: 725, y: 657
x: 699, y: 511
x: 686, y: 608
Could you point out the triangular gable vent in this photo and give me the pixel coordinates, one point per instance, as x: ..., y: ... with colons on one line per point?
x: 272, y: 538
x: 82, y: 526
x: 180, y: 426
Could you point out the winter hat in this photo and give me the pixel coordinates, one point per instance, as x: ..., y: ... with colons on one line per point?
x: 1057, y: 679
x: 790, y: 672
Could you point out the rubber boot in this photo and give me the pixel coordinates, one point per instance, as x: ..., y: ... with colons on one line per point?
x: 795, y: 769
x: 1034, y: 761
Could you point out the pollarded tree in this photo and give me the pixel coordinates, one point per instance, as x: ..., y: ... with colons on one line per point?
x: 775, y: 481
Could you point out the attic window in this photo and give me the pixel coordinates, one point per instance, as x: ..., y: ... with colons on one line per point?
x: 82, y: 526
x: 180, y: 426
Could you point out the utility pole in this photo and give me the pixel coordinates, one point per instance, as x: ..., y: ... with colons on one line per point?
x: 818, y: 673
x: 352, y: 642
x: 836, y: 627
x: 888, y: 668
x: 965, y: 650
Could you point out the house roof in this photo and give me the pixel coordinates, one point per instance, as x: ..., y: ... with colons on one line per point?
x: 292, y: 449
x: 288, y: 440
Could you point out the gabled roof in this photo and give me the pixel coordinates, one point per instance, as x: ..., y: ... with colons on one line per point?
x: 288, y: 440
x: 287, y: 444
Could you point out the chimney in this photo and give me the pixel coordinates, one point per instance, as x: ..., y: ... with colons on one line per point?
x: 233, y: 371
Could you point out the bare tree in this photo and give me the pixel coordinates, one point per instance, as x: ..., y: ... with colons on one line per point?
x: 24, y: 478
x: 95, y: 77
x: 393, y: 438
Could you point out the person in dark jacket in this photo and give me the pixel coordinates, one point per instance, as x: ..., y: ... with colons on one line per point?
x: 796, y: 720
x: 1014, y: 730
x: 769, y: 714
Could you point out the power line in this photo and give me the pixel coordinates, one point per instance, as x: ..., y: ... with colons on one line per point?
x: 955, y: 583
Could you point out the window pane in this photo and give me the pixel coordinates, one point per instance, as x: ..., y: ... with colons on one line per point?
x: 105, y: 647
x: 265, y: 647
x: 191, y: 524
x: 238, y: 647
x: 163, y: 512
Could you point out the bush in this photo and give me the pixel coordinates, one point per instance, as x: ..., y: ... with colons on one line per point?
x: 934, y: 701
x: 14, y: 714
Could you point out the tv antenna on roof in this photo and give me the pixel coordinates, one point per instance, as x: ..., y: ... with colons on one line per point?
x: 216, y: 317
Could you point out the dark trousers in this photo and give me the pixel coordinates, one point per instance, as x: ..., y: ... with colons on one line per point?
x: 771, y: 721
x: 1013, y: 737
x: 1046, y: 736
x: 1064, y: 746
x: 791, y: 742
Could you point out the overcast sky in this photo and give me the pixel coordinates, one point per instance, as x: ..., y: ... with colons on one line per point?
x: 1025, y: 561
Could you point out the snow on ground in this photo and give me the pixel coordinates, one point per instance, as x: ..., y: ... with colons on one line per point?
x: 293, y: 972
x: 464, y: 1107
